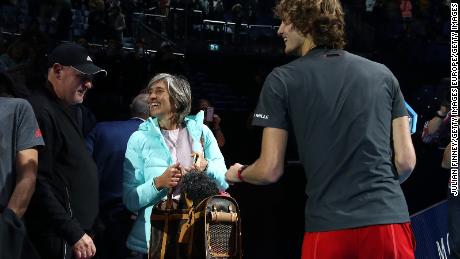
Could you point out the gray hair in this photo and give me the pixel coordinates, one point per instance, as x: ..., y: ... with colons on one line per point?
x: 140, y: 106
x: 179, y: 92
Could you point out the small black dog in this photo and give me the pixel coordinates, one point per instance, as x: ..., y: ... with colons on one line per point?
x: 197, y: 186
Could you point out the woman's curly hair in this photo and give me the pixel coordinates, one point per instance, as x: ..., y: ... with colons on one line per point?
x: 322, y: 19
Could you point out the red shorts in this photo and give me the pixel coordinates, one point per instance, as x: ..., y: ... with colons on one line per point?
x: 392, y: 241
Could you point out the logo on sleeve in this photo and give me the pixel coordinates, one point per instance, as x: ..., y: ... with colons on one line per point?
x: 261, y: 116
x: 38, y: 133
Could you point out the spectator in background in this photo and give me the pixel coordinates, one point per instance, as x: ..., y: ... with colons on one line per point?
x: 20, y: 139
x: 65, y: 205
x: 31, y: 72
x: 117, y: 22
x: 370, y: 5
x: 107, y: 144
x: 63, y: 20
x: 212, y: 121
x: 128, y: 7
x: 252, y: 11
x: 216, y: 10
x: 237, y: 18
x: 114, y: 50
x: 138, y: 71
x: 139, y: 49
x: 97, y: 25
x: 15, y: 55
x: 24, y: 60
x: 82, y: 41
x: 204, y: 6
x: 406, y: 13
x: 406, y: 9
x: 166, y: 61
x: 80, y: 18
x: 164, y: 5
x: 9, y: 12
x: 436, y: 130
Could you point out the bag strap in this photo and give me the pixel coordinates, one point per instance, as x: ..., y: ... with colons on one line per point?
x: 163, y: 242
x: 169, y: 200
x: 169, y: 206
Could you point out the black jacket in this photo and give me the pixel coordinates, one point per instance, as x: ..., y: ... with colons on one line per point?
x: 65, y: 201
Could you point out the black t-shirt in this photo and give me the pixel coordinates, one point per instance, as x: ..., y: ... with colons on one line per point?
x: 341, y: 108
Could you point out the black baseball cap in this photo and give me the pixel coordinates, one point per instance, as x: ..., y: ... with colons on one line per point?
x: 76, y: 56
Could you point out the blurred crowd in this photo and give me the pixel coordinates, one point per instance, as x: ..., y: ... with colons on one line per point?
x: 100, y: 20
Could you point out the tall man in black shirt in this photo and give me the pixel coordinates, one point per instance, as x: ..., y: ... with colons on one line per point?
x: 346, y: 113
x: 65, y: 204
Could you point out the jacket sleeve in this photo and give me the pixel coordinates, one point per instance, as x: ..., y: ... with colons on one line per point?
x: 216, y: 163
x: 138, y: 192
x: 45, y: 198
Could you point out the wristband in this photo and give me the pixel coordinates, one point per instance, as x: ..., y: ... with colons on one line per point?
x: 240, y: 177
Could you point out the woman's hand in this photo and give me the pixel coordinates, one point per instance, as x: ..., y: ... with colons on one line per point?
x: 170, y: 178
x: 200, y: 163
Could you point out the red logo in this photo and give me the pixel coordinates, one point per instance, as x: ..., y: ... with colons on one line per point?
x: 38, y: 133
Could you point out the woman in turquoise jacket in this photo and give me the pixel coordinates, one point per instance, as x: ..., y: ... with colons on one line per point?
x: 166, y: 146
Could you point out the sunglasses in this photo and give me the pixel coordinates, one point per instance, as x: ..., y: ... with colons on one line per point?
x: 86, y: 77
x: 83, y: 77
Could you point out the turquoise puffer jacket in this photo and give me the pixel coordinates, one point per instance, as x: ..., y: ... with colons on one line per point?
x: 147, y: 156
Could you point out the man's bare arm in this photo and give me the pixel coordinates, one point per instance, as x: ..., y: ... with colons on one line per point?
x: 269, y: 167
x: 404, y: 149
x: 26, y: 175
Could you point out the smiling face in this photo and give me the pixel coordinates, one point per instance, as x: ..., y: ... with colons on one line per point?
x: 160, y: 104
x: 70, y: 85
x: 293, y: 40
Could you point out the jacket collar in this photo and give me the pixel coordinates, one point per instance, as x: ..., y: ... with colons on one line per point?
x: 50, y: 95
x: 193, y: 123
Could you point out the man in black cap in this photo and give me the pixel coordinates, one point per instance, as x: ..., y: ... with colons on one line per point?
x: 65, y: 204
